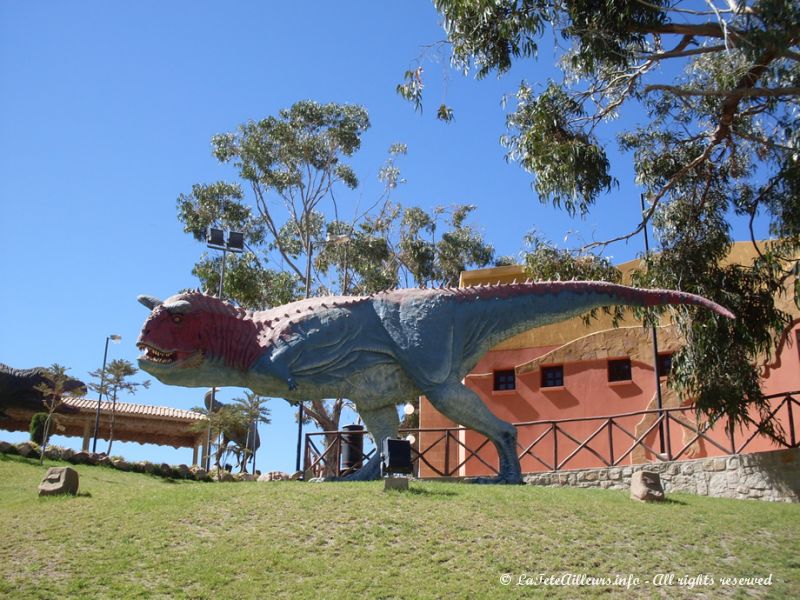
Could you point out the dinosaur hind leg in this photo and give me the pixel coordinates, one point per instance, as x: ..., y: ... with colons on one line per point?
x: 381, y: 423
x: 462, y: 405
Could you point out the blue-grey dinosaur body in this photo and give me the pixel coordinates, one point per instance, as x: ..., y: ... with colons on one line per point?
x: 378, y: 351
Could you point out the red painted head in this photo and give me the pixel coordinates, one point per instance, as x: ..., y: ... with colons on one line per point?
x: 190, y: 337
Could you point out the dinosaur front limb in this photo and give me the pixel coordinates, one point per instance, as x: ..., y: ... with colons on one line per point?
x: 381, y: 423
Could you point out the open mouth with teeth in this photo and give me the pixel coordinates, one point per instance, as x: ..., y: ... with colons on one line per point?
x: 157, y: 356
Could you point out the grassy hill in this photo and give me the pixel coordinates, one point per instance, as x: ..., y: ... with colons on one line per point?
x: 132, y: 535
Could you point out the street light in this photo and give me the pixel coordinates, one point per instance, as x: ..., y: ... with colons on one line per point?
x: 233, y: 242
x: 659, y: 399
x: 116, y: 339
x: 331, y: 239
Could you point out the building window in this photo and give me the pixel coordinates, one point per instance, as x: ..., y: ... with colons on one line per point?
x: 553, y: 376
x: 664, y: 364
x: 504, y: 380
x: 619, y: 370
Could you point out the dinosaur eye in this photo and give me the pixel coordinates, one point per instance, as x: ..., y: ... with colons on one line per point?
x: 177, y: 319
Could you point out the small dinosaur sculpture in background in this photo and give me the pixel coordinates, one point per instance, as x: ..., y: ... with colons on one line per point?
x: 379, y: 350
x: 18, y: 388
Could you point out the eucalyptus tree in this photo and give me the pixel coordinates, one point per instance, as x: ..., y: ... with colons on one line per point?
x: 299, y: 238
x: 718, y: 85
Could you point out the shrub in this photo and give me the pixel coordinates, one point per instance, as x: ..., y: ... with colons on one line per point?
x: 36, y: 428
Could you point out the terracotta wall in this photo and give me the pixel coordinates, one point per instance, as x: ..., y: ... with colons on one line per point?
x: 587, y: 393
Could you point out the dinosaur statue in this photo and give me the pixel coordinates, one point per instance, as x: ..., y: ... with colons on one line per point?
x: 239, y: 436
x: 17, y: 387
x: 379, y: 350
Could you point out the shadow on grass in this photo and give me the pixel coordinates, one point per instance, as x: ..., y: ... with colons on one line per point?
x: 418, y: 491
x: 672, y: 501
x: 64, y: 497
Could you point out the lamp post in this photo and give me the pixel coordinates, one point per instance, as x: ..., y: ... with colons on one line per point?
x: 659, y: 400
x: 116, y: 339
x: 227, y: 241
x: 338, y: 239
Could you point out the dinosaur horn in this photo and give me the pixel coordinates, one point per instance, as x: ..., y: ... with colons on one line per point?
x: 179, y: 307
x: 149, y: 301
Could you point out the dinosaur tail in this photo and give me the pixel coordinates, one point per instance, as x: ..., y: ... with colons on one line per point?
x: 519, y: 307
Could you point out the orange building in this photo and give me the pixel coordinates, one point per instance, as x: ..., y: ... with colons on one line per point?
x: 585, y: 396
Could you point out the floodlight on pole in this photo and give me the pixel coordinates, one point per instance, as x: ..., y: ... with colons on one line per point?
x: 234, y: 242
x: 330, y: 239
x: 116, y: 339
x: 663, y: 441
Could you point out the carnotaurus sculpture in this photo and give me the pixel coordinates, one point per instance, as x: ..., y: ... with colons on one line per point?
x: 379, y: 350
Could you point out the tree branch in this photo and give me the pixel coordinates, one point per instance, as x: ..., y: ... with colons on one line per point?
x: 684, y: 53
x: 737, y: 93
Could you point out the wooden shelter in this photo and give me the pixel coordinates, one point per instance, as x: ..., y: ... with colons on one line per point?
x: 140, y: 423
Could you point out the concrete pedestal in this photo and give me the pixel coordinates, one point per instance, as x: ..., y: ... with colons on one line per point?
x: 395, y: 483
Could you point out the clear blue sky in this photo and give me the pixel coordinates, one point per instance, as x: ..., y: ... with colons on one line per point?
x: 106, y: 115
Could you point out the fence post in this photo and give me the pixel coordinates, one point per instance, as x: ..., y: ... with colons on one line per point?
x: 447, y: 454
x: 668, y: 440
x: 789, y: 400
x: 730, y: 434
x: 555, y: 447
x: 610, y: 424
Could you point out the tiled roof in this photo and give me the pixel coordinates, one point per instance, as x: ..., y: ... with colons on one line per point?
x: 127, y: 408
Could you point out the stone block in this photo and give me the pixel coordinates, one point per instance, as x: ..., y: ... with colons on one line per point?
x: 28, y: 450
x: 718, y: 485
x: 198, y: 473
x: 646, y: 486
x: 79, y: 458
x: 5, y: 447
x: 59, y: 480
x: 395, y: 484
x: 222, y: 475
x: 719, y: 464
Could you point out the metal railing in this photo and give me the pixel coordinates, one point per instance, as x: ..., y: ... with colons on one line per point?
x: 554, y: 445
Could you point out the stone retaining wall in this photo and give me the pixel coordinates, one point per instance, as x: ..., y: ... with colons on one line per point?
x: 773, y: 476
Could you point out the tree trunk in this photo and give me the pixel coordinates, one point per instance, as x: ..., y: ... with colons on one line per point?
x: 44, y: 438
x: 111, y: 427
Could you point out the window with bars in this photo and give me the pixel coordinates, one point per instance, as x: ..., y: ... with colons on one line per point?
x: 619, y: 370
x: 504, y: 380
x: 553, y: 376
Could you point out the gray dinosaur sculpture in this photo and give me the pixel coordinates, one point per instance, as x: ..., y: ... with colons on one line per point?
x: 17, y: 387
x: 241, y: 437
x: 379, y: 350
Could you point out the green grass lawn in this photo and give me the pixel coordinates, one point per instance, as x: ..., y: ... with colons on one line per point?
x: 133, y: 535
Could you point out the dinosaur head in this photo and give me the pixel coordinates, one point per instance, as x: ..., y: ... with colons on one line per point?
x: 190, y: 337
